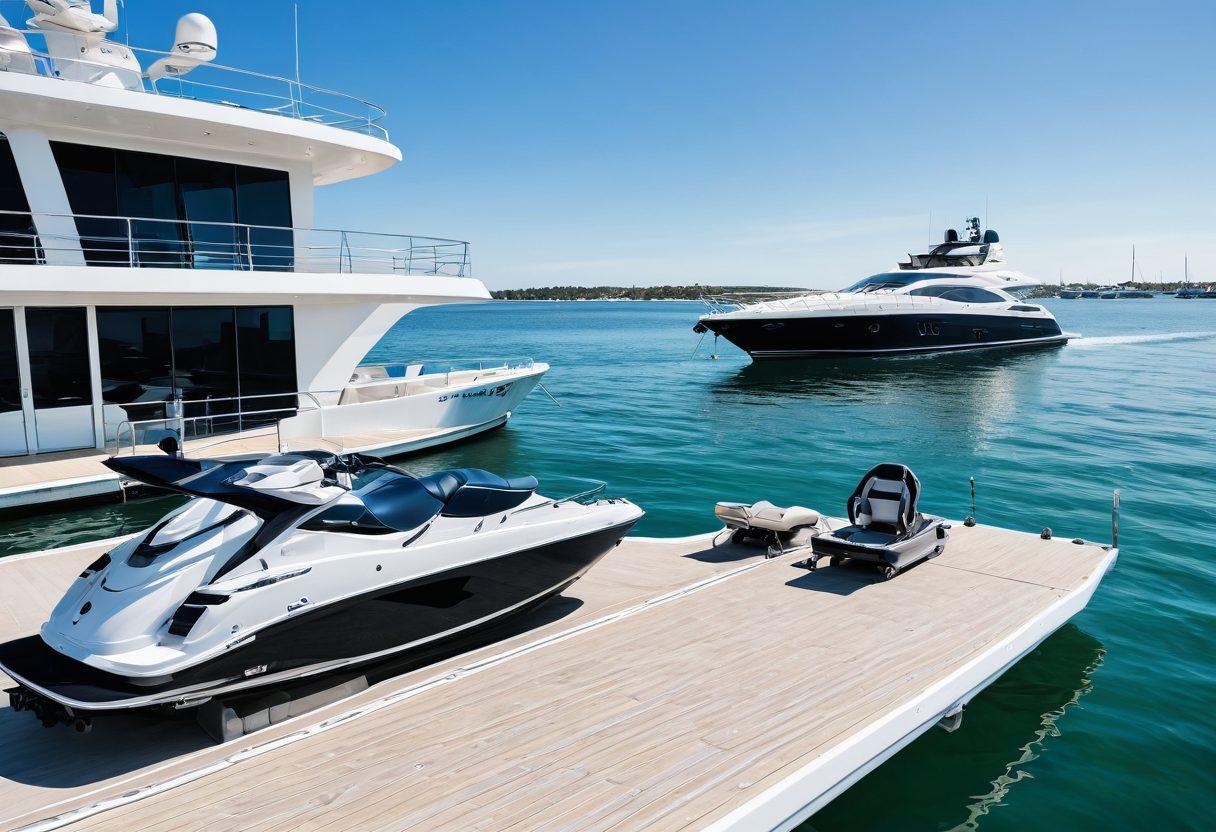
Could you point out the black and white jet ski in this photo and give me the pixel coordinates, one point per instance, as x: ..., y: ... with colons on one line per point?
x: 301, y: 564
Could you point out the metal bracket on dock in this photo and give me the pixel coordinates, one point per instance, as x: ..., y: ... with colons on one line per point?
x: 952, y: 720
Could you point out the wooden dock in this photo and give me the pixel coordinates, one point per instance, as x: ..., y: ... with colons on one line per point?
x: 677, y: 686
x: 73, y: 475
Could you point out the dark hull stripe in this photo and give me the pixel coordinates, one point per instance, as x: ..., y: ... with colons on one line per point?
x: 1024, y: 342
x: 843, y: 335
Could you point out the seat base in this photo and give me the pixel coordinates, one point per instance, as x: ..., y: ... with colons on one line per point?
x: 889, y: 552
x: 776, y: 528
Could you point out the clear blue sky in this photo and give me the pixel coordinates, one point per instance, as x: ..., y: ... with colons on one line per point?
x: 791, y: 143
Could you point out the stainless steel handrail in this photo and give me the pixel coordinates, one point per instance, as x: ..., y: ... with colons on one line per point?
x: 344, y: 251
x: 177, y: 423
x: 291, y: 101
x: 551, y: 501
x: 483, y: 364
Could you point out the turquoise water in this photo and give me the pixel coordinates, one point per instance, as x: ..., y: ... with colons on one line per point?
x: 1109, y: 724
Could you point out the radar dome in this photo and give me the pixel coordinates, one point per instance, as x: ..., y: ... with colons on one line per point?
x: 196, y: 37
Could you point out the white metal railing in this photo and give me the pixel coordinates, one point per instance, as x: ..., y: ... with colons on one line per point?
x: 214, y: 83
x: 215, y: 421
x: 146, y: 242
x: 447, y: 367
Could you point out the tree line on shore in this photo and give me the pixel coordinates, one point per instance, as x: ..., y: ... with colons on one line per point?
x: 693, y: 292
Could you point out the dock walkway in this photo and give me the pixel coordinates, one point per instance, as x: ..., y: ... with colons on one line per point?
x: 677, y: 686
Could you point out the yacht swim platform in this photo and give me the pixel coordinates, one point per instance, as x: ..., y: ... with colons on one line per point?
x: 678, y: 685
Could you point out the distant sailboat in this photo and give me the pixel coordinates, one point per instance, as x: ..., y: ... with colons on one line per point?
x: 1130, y: 292
x: 1187, y: 291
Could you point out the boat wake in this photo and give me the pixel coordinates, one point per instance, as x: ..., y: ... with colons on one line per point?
x: 1111, y: 340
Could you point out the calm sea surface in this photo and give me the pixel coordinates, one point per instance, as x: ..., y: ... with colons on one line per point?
x: 1109, y: 724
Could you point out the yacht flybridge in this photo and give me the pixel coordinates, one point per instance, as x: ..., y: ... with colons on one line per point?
x: 960, y: 295
x: 160, y: 275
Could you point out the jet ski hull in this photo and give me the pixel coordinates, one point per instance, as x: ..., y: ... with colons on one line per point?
x: 844, y: 335
x: 445, y: 610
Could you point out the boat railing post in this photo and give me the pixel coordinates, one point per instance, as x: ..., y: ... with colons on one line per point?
x: 130, y: 245
x: 970, y: 521
x: 1114, y: 520
x: 180, y: 412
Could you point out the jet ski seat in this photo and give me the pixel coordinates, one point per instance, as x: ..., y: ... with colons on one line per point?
x: 769, y: 524
x: 887, y: 529
x: 472, y: 492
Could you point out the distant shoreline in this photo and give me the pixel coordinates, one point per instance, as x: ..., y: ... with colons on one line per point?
x: 617, y: 293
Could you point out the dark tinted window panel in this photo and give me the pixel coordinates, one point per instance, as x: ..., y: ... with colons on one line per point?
x: 10, y: 381
x: 208, y: 195
x: 59, y: 356
x: 18, y: 238
x: 90, y: 180
x: 147, y: 192
x: 136, y: 358
x: 266, y: 352
x: 263, y: 198
x: 204, y: 358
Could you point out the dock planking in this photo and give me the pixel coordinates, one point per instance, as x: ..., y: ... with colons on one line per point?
x: 625, y: 704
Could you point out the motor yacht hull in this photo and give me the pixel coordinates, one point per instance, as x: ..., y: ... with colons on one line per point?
x: 770, y: 337
x: 450, y: 610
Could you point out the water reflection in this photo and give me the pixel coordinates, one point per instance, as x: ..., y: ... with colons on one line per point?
x: 975, y: 770
x: 965, y: 394
x: 948, y: 373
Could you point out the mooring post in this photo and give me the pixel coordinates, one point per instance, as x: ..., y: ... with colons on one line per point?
x: 1114, y: 521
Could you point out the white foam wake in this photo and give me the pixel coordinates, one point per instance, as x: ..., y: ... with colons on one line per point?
x: 1109, y: 340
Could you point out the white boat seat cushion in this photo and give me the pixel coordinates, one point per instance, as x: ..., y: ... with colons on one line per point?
x: 765, y: 515
x: 777, y: 519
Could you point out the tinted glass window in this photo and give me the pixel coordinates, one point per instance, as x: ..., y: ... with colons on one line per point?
x: 59, y: 356
x: 204, y: 357
x: 136, y: 358
x: 887, y: 280
x: 267, y: 356
x: 146, y: 187
x: 10, y: 382
x: 208, y: 191
x: 92, y: 186
x: 263, y: 197
x: 187, y: 194
x: 970, y: 294
x: 959, y: 294
x: 18, y: 242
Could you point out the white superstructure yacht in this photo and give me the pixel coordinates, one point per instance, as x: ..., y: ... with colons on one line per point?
x: 160, y: 278
x: 960, y: 295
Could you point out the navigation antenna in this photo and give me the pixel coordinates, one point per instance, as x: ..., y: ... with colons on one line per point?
x: 296, y: 26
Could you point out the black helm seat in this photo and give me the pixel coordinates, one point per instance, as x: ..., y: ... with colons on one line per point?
x: 887, y: 527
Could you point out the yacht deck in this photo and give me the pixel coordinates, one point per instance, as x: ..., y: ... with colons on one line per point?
x: 71, y: 475
x: 677, y: 686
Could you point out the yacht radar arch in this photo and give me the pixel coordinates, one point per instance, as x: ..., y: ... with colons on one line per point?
x: 162, y: 277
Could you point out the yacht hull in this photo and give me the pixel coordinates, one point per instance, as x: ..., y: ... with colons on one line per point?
x: 449, y: 610
x: 844, y: 335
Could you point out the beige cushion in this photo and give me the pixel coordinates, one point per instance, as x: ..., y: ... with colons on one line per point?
x: 784, y: 519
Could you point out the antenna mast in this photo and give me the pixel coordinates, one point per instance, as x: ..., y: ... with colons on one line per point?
x: 296, y: 22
